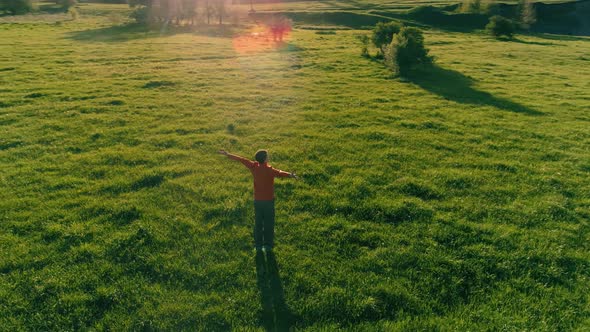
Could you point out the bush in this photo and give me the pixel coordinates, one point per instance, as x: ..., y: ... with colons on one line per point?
x: 406, y: 50
x: 383, y: 34
x: 16, y: 7
x: 364, y: 39
x: 500, y: 26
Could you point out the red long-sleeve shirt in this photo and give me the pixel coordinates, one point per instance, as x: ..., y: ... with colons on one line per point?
x: 264, y: 177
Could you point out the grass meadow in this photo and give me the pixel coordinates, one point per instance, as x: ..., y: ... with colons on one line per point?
x: 457, y: 198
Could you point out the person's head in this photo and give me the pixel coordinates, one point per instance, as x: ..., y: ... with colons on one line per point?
x: 261, y: 156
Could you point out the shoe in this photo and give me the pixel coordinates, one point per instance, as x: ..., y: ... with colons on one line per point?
x: 266, y: 248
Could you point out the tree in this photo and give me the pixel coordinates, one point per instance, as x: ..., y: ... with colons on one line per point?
x: 143, y: 11
x: 528, y: 15
x: 500, y: 26
x: 471, y: 6
x: 66, y: 4
x: 16, y: 7
x: 209, y: 10
x: 162, y: 10
x: 406, y: 50
x: 383, y: 34
x: 189, y: 10
x: 177, y: 12
x: 220, y: 10
x: 279, y: 25
x: 141, y: 15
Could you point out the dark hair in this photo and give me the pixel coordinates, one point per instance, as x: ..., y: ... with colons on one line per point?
x: 261, y: 156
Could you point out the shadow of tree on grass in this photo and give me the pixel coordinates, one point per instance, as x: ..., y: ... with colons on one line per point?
x: 51, y: 8
x: 558, y: 37
x: 276, y: 315
x: 528, y: 42
x: 127, y: 32
x: 117, y: 33
x: 453, y: 85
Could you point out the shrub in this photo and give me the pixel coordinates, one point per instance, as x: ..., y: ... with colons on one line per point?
x: 364, y: 39
x: 406, y: 50
x: 16, y: 7
x: 500, y: 26
x: 383, y: 34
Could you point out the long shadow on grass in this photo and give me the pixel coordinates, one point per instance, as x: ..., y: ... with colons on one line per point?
x: 347, y: 4
x: 558, y: 37
x: 276, y: 315
x: 453, y: 85
x: 117, y: 33
x: 122, y: 33
x: 342, y: 18
x: 521, y: 41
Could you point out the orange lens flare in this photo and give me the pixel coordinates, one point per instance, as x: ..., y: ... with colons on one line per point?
x: 262, y: 37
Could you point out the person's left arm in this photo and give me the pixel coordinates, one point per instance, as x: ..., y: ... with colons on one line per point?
x: 282, y: 174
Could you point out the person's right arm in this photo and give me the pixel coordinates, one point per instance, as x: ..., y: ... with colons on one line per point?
x: 248, y: 163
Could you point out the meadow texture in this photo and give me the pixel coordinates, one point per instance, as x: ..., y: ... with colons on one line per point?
x: 457, y: 198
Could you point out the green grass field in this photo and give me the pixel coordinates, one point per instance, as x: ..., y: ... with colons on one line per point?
x: 455, y: 199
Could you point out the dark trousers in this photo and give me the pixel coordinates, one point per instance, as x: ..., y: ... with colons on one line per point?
x: 264, y: 226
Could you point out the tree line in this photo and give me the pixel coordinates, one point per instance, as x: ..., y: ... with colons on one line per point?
x: 179, y: 11
x: 17, y: 7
